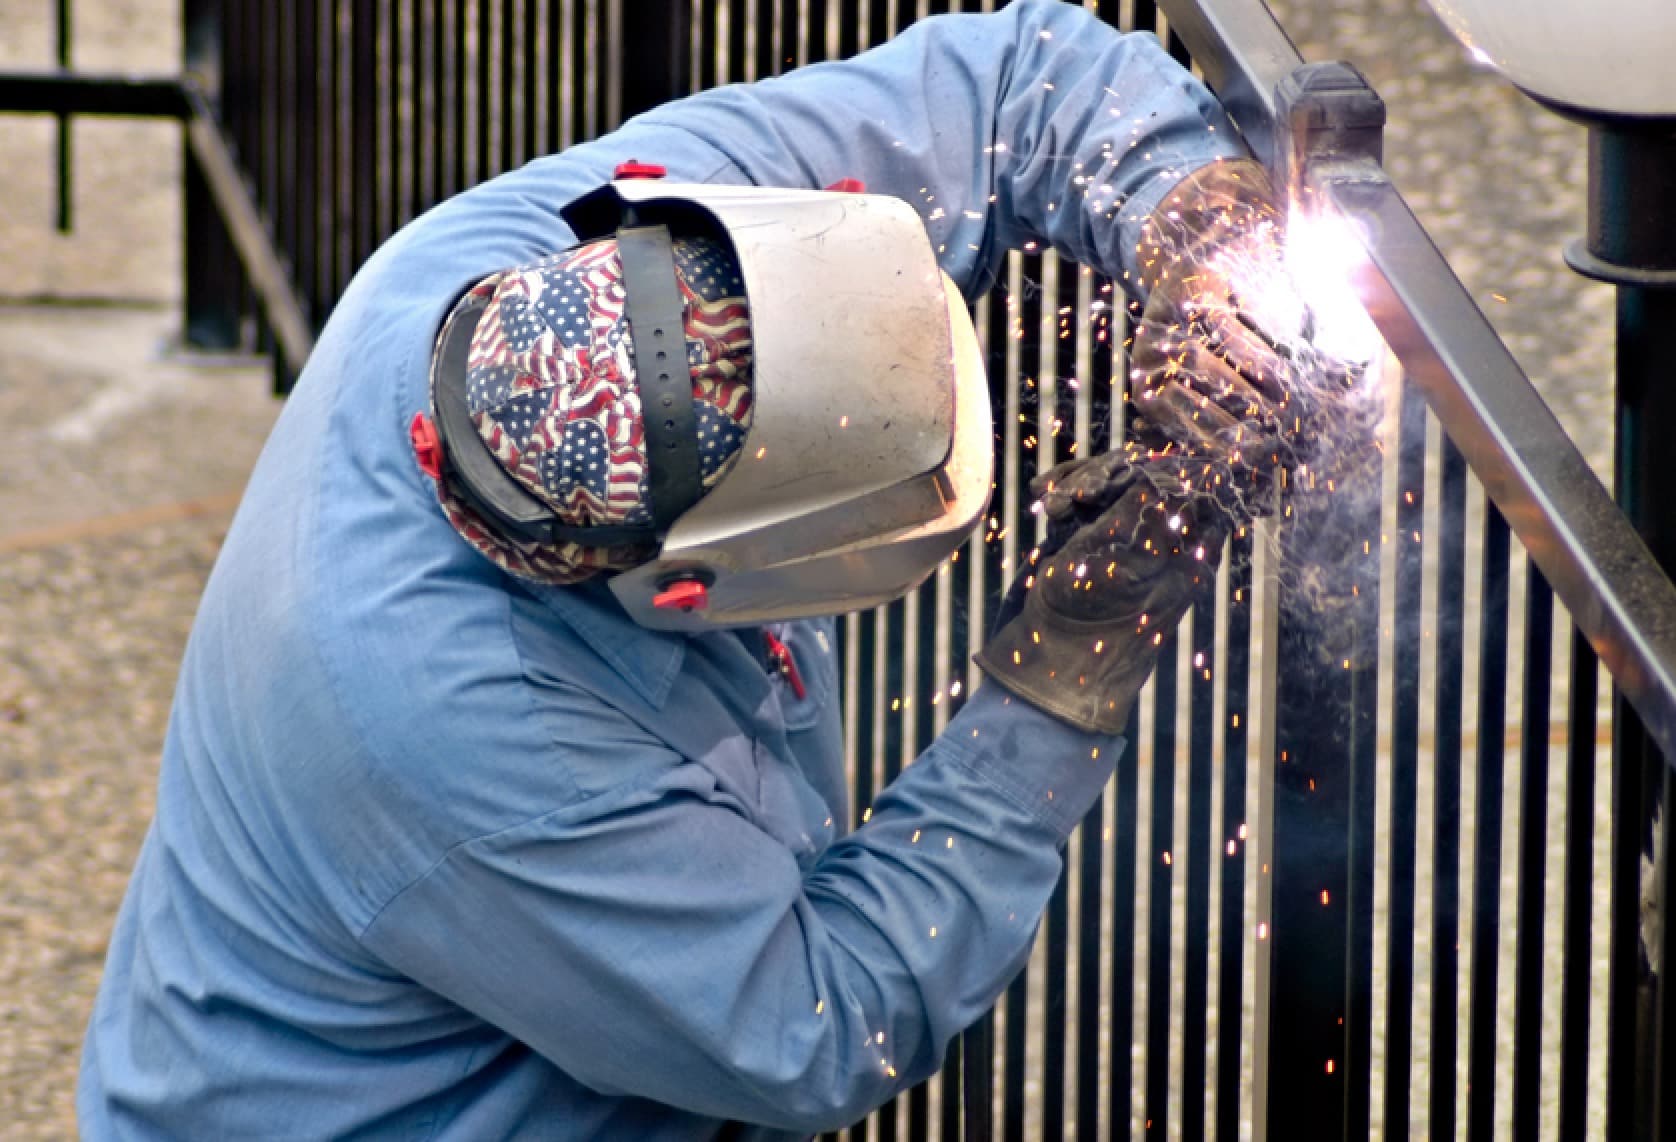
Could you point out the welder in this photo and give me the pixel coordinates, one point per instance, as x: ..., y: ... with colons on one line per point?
x: 503, y: 794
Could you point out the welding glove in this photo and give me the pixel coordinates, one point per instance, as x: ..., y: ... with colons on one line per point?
x: 1125, y: 554
x: 1221, y: 363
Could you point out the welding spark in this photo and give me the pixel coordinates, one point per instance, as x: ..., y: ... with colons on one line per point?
x: 1324, y: 253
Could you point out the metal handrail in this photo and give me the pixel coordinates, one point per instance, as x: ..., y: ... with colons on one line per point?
x: 1616, y: 592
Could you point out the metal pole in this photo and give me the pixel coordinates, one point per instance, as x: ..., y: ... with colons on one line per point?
x: 1319, y: 980
x: 1316, y: 900
x: 660, y: 68
x: 214, y: 281
x: 1631, y: 243
x: 65, y: 190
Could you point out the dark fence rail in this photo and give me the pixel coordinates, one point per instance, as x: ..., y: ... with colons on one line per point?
x: 1290, y: 912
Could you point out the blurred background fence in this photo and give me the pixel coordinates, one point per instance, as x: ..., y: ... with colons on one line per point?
x: 1378, y: 875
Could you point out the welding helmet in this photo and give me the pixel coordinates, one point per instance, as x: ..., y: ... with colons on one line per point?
x: 867, y: 453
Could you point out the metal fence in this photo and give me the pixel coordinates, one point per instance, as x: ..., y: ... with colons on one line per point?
x: 1351, y: 878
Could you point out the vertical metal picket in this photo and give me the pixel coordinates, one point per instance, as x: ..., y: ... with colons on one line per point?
x: 65, y: 206
x: 1405, y: 753
x: 363, y: 174
x: 1446, y: 783
x: 305, y: 187
x: 213, y: 277
x: 1197, y: 853
x: 1314, y: 1048
x: 1161, y: 862
x: 1579, y: 889
x: 1236, y: 681
x: 1533, y: 856
x: 1486, y: 864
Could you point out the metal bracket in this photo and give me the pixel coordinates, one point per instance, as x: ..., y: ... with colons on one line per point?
x: 1327, y: 114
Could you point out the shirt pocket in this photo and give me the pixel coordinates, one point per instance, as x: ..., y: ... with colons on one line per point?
x: 813, y: 647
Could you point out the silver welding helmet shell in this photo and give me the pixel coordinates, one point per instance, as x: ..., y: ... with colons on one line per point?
x: 869, y: 456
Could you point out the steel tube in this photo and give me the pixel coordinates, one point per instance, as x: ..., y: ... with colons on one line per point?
x: 1091, y: 870
x: 1089, y: 915
x: 1244, y: 54
x: 1632, y: 242
x: 1058, y: 932
x: 1313, y: 1051
x: 1579, y: 891
x: 305, y: 258
x: 949, y: 1080
x: 1015, y: 1048
x: 1446, y: 789
x: 1529, y: 467
x: 1236, y: 681
x: 66, y: 191
x: 1201, y: 704
x: 213, y: 278
x: 1161, y: 862
x: 1483, y: 990
x: 1121, y: 980
x: 565, y: 50
x: 1405, y: 755
x: 977, y: 1051
x: 488, y: 98
x: 39, y: 92
x: 1533, y: 859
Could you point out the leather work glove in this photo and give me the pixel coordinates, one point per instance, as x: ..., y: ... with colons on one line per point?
x: 1225, y: 375
x: 1221, y: 364
x: 1079, y: 629
x: 1227, y: 390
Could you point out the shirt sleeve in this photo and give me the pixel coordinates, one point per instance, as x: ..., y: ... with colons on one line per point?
x: 1035, y: 124
x: 653, y: 941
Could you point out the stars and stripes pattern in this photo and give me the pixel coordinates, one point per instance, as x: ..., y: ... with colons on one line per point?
x: 552, y: 389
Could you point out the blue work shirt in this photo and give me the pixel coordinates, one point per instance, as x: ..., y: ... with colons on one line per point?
x: 441, y: 854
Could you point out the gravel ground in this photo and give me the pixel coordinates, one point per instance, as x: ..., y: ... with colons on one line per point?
x: 105, y: 537
x: 86, y: 673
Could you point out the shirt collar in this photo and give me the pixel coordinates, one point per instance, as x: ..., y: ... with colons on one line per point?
x: 648, y: 660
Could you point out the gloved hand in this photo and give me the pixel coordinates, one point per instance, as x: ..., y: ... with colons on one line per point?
x: 1079, y: 630
x: 1225, y: 374
x: 1221, y: 363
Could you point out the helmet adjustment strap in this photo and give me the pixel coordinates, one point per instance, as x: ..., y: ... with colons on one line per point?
x: 652, y: 302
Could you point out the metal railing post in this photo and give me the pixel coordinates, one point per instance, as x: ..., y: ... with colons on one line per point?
x: 656, y: 63
x: 66, y: 189
x: 1631, y: 243
x: 214, y: 281
x: 1315, y: 1047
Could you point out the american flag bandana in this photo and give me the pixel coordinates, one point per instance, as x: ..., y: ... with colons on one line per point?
x: 552, y: 390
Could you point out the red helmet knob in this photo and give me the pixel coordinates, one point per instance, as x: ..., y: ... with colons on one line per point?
x: 427, y: 446
x: 682, y: 595
x: 634, y: 168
